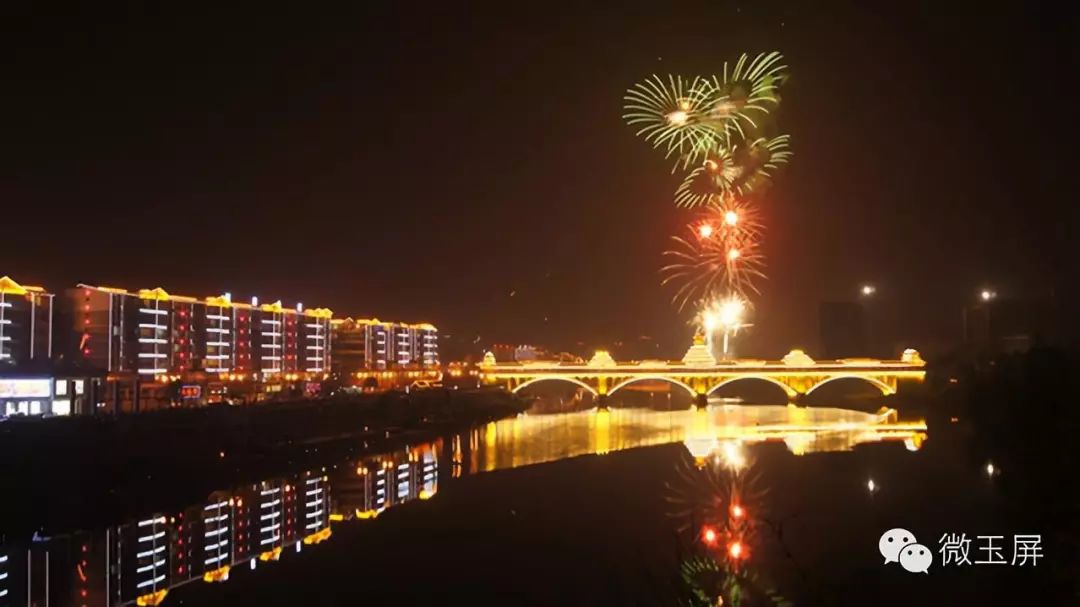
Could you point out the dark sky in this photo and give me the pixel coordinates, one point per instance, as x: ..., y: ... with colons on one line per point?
x: 423, y: 161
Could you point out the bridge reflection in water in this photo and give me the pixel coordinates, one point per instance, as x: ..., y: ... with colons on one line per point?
x: 255, y: 524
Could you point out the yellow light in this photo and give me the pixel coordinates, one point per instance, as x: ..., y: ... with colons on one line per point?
x: 678, y: 117
x: 271, y: 555
x: 705, y: 230
x: 731, y: 218
x: 315, y: 538
x: 337, y: 517
x: 153, y: 598
x: 868, y: 290
x: 709, y: 321
x: 731, y: 311
x: 733, y: 456
x: 220, y: 574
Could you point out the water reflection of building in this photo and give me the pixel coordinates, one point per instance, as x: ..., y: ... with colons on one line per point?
x: 380, y: 482
x: 254, y: 525
x: 139, y: 562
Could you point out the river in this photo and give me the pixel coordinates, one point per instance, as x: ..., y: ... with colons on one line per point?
x: 758, y: 504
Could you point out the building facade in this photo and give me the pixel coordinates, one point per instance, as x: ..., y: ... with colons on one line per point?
x: 154, y: 344
x: 26, y: 323
x: 373, y: 345
x: 107, y: 349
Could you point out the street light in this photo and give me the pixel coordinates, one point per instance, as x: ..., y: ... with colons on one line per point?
x: 987, y: 295
x: 868, y: 290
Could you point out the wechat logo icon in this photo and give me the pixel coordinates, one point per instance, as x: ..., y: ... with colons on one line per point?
x: 900, y: 546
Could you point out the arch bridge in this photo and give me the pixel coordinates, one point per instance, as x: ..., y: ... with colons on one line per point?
x: 699, y: 374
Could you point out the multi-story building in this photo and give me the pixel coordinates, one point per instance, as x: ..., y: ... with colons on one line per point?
x: 521, y: 353
x: 403, y: 345
x: 426, y: 344
x: 26, y: 315
x: 31, y: 381
x: 378, y: 344
x: 372, y: 344
x: 150, y: 339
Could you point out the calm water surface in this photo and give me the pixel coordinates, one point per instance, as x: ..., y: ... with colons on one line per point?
x: 815, y: 488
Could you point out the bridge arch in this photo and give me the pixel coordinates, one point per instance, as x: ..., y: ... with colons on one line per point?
x: 791, y: 393
x: 885, y: 388
x: 565, y: 378
x: 662, y: 378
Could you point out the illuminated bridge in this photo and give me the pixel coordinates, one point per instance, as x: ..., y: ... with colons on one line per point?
x: 700, y: 374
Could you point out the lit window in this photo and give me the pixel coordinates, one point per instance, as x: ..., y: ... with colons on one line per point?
x: 61, y: 407
x: 78, y: 386
x: 61, y: 387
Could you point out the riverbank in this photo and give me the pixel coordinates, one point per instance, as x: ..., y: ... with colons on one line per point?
x: 70, y: 473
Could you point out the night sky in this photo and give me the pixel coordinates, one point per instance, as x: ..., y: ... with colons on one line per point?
x: 424, y: 162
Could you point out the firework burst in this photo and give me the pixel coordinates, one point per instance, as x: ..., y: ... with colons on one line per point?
x: 670, y: 114
x: 732, y: 168
x: 721, y: 255
x: 746, y: 90
x: 718, y: 131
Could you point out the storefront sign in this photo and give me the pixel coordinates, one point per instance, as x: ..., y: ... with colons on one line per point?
x: 25, y: 388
